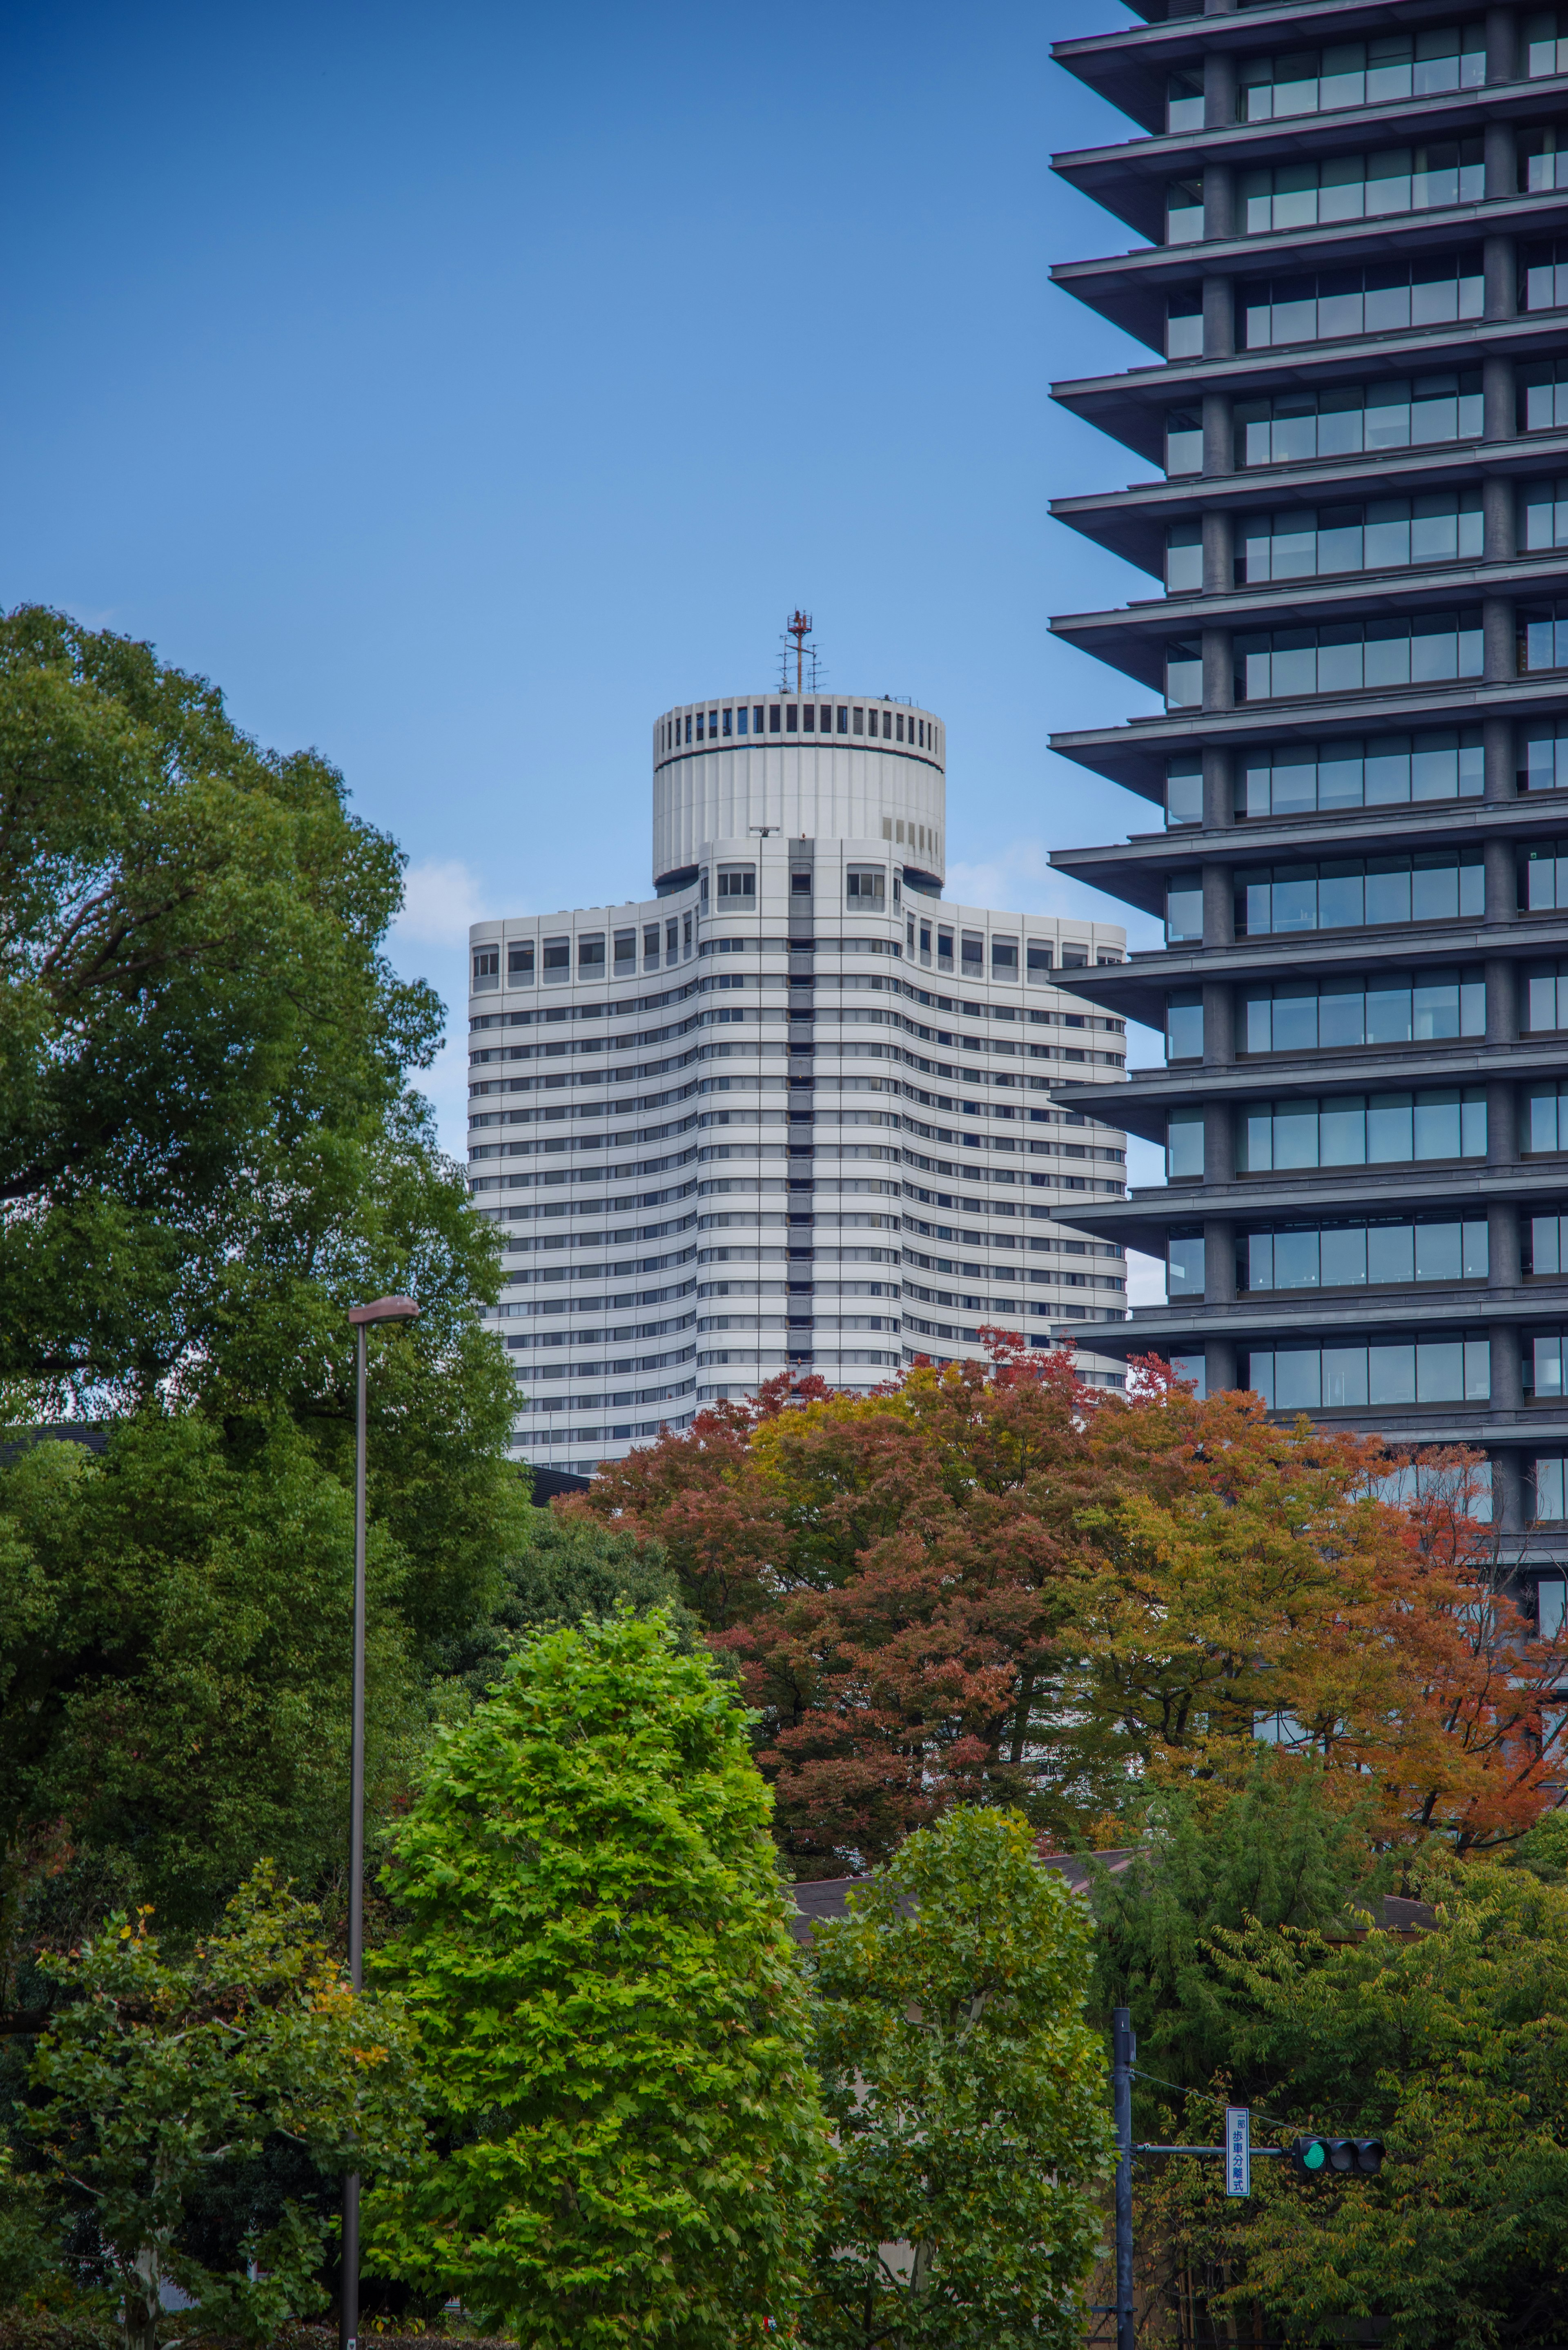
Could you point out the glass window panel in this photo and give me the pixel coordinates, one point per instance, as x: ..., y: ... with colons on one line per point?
x: 1295, y: 1260
x: 1543, y: 1118
x: 1344, y: 1256
x: 1343, y: 1125
x: 1341, y: 895
x: 1544, y: 1245
x: 1185, y: 1264
x: 1437, y: 1124
x: 1549, y: 1505
x: 1390, y: 1253
x: 1295, y: 899
x: 1260, y: 1024
x: 1440, y: 1370
x: 1184, y: 1024
x: 1549, y: 1593
x: 1258, y: 1369
x: 1184, y: 1143
x: 1258, y: 1142
x: 1388, y: 1010
x: 1388, y: 1127
x: 1472, y: 1124
x: 1387, y: 772
x: 1545, y: 1360
x: 1298, y: 1378
x: 1295, y: 1017
x: 1474, y: 1250
x: 1390, y: 1375
x: 1341, y: 1015
x: 1435, y: 1007
x: 1259, y: 1250
x: 1293, y: 787
x: 1341, y: 782
x: 1440, y: 1253
x: 1296, y: 1135
x: 1184, y: 792
x: 1345, y: 1383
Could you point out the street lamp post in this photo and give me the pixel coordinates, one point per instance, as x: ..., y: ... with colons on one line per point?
x: 383, y: 1309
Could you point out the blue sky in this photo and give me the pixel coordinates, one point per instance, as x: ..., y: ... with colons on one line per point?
x: 458, y: 386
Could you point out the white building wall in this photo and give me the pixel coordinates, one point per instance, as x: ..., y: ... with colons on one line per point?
x: 793, y: 1128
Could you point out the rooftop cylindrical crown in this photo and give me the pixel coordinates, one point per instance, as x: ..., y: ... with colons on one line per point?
x: 813, y: 766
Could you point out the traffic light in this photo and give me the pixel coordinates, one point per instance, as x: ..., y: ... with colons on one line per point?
x: 1313, y: 2157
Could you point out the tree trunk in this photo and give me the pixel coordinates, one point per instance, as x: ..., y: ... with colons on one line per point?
x: 143, y: 2304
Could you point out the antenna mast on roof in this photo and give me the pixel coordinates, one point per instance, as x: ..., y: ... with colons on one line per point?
x: 798, y: 625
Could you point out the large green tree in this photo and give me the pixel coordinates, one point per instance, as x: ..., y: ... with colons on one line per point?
x: 968, y: 2094
x: 209, y: 1144
x: 612, y: 2018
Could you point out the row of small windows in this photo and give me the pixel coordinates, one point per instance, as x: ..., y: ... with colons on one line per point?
x: 1368, y: 298
x: 1310, y: 1016
x: 1383, y: 534
x: 1351, y: 419
x: 1390, y: 1129
x: 937, y: 942
x: 1346, y: 894
x: 1313, y: 306
x: 1394, y: 1128
x: 906, y: 832
x: 1329, y: 1379
x: 1397, y: 1007
x: 1349, y: 73
x: 1341, y: 1252
x: 1309, y: 193
x: 1440, y: 762
x: 736, y: 884
x: 748, y: 719
x: 1348, y: 656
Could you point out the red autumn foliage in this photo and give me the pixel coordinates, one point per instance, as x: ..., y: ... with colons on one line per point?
x: 991, y: 1583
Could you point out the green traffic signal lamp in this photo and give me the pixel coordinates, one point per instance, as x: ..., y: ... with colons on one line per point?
x: 1313, y: 2157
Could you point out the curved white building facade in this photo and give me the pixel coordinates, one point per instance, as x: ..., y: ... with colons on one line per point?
x: 792, y: 1111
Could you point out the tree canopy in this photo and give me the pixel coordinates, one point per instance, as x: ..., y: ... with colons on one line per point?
x: 990, y: 1582
x: 611, y: 2015
x: 968, y: 2096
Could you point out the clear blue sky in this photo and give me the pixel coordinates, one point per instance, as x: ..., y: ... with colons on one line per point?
x: 456, y: 387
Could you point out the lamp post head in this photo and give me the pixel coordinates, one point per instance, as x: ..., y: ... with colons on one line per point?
x: 385, y: 1309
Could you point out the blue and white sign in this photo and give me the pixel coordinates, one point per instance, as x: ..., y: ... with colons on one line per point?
x: 1238, y: 2151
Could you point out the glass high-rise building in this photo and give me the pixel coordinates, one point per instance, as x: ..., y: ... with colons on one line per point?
x: 1351, y: 278
x: 795, y: 1110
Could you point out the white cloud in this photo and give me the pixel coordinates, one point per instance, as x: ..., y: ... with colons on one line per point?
x: 1020, y: 879
x: 441, y: 898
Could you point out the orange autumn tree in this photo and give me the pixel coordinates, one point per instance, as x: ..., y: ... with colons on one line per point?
x: 990, y: 1582
x: 1254, y: 1572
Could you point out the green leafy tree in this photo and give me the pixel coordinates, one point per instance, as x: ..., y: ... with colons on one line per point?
x: 176, y: 1688
x: 1276, y: 1851
x: 155, y: 2075
x: 561, y: 1569
x: 968, y: 2097
x: 209, y: 1143
x: 612, y: 2019
x: 209, y: 1146
x: 1259, y: 1979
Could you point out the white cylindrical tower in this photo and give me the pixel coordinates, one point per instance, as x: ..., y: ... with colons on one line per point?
x: 813, y: 766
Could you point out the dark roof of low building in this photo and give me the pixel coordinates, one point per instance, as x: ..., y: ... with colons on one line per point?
x: 826, y: 1897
